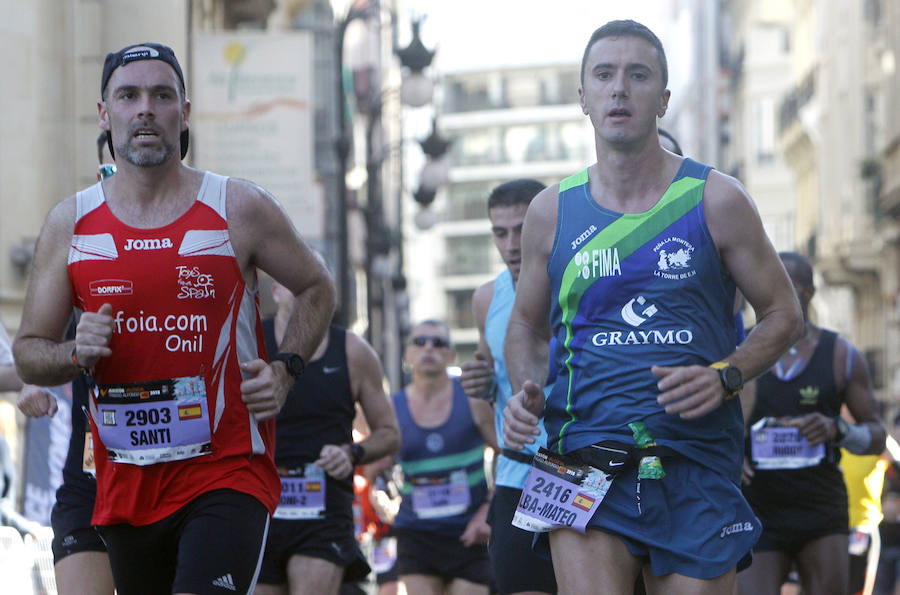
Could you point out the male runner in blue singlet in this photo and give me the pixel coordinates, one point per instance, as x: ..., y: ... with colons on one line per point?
x: 440, y: 527
x: 633, y: 264
x: 516, y: 568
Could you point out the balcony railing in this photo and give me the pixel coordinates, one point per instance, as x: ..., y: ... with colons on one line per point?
x: 795, y: 100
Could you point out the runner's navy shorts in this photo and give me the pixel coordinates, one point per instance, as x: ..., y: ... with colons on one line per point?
x: 693, y: 522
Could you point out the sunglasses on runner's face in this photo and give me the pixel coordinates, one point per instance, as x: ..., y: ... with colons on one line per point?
x: 437, y: 342
x: 106, y: 170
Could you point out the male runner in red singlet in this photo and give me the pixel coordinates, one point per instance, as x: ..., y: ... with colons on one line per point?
x: 161, y: 259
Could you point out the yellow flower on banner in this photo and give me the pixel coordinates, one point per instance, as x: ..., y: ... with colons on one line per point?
x: 235, y: 53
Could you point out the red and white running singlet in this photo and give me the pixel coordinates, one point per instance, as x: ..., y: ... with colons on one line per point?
x: 166, y: 411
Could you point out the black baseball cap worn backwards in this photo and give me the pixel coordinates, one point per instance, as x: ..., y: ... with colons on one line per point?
x: 142, y: 51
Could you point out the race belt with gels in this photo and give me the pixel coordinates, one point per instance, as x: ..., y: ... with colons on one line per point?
x: 564, y: 491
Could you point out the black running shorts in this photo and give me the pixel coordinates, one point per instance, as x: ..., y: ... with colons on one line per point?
x: 71, y: 522
x: 438, y: 555
x: 329, y: 539
x: 515, y: 566
x: 214, y: 544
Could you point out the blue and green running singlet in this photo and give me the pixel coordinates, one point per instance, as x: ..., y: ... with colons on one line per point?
x: 630, y: 291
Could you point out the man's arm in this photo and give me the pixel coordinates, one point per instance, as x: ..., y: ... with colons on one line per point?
x: 42, y: 357
x: 263, y: 237
x: 483, y: 415
x: 860, y: 400
x: 477, y: 531
x: 865, y: 433
x: 750, y: 259
x: 753, y: 263
x: 366, y: 384
x: 477, y: 377
x: 528, y: 333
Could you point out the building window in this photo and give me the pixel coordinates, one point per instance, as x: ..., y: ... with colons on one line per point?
x: 470, y: 255
x: 459, y: 309
x: 520, y: 144
x: 467, y: 95
x: 467, y: 201
x: 872, y: 11
x: 764, y: 120
x: 477, y: 147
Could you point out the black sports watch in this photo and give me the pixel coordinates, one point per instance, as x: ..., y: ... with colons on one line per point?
x: 357, y: 452
x: 731, y: 377
x: 292, y: 362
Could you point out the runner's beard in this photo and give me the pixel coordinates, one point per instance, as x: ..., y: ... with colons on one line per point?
x: 146, y: 156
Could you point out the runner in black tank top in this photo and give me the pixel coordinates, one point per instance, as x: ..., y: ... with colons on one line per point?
x: 792, y: 478
x: 311, y: 545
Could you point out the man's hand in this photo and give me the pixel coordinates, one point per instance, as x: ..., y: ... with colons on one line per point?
x: 521, y: 416
x: 815, y: 427
x: 34, y: 401
x: 477, y: 377
x: 688, y: 391
x: 385, y: 507
x: 265, y: 391
x: 335, y: 461
x: 477, y: 532
x: 92, y: 336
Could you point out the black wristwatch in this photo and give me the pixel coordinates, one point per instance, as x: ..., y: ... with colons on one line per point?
x: 357, y: 452
x: 841, y: 429
x: 293, y: 363
x: 731, y: 377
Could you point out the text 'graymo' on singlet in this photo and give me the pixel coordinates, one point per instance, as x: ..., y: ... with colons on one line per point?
x: 166, y: 412
x: 509, y: 473
x: 630, y: 291
x: 443, y: 469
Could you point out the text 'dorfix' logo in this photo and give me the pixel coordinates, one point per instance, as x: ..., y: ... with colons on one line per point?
x: 111, y: 287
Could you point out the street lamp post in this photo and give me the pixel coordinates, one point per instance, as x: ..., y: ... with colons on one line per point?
x: 383, y: 268
x: 342, y: 149
x: 434, y: 175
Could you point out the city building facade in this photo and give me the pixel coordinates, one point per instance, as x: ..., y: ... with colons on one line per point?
x: 505, y: 123
x: 826, y: 185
